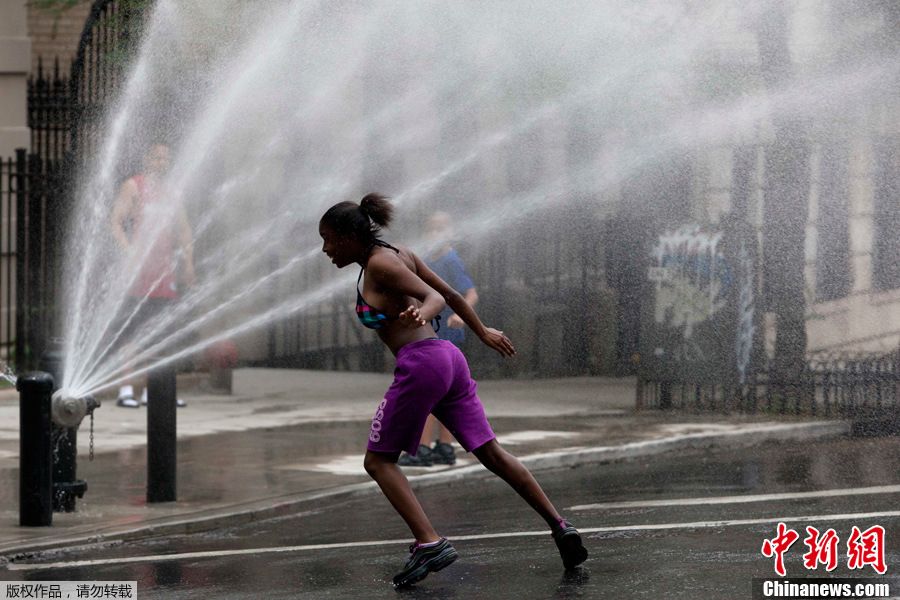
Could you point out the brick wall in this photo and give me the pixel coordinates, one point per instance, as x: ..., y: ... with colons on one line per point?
x: 56, y: 33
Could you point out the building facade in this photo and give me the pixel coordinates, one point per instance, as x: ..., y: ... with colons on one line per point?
x: 592, y: 200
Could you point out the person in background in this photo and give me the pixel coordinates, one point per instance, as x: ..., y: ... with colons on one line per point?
x: 444, y: 261
x: 153, y: 251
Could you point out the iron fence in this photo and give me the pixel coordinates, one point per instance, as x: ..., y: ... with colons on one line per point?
x: 49, y: 112
x: 842, y: 385
x: 29, y: 245
x: 10, y: 187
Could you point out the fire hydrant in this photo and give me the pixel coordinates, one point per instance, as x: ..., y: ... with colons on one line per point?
x: 67, y: 413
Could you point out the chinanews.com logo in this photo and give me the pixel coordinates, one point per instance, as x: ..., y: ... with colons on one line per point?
x: 821, y: 588
x: 864, y: 552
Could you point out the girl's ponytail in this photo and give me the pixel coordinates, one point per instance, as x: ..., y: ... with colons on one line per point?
x: 363, y: 220
x: 377, y: 208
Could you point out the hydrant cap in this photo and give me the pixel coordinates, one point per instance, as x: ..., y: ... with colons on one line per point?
x: 66, y: 410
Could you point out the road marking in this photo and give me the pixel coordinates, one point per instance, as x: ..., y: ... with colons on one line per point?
x: 352, y: 465
x: 15, y: 566
x: 884, y: 489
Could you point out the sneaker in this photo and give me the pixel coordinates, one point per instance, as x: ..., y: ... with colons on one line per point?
x: 127, y: 402
x: 424, y: 560
x: 568, y: 540
x: 443, y: 454
x: 423, y: 458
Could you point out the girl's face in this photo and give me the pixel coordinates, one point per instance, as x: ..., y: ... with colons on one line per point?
x: 341, y: 249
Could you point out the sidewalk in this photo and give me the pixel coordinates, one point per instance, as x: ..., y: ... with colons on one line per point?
x: 285, y: 438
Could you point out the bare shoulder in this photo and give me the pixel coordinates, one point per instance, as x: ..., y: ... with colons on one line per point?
x: 386, y: 260
x: 388, y: 257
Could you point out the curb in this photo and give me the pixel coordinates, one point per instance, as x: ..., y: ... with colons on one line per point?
x: 742, y: 438
x: 269, y: 508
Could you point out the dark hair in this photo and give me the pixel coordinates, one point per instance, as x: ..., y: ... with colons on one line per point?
x: 364, y: 220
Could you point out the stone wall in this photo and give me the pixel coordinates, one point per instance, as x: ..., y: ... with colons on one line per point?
x: 15, y: 55
x: 55, y: 34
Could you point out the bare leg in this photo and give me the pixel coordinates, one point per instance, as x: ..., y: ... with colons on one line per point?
x: 444, y: 435
x: 384, y: 470
x: 507, y: 467
x: 428, y: 432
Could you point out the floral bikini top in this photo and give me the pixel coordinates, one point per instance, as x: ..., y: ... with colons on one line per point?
x: 367, y: 314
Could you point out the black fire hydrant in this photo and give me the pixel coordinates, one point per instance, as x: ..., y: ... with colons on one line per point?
x: 66, y: 414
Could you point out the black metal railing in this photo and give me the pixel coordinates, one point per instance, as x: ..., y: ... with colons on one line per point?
x: 11, y: 183
x: 29, y: 252
x: 843, y: 385
x: 107, y: 43
x: 49, y: 112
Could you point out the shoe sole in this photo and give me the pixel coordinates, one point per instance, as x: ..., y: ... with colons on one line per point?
x: 572, y: 551
x: 430, y: 566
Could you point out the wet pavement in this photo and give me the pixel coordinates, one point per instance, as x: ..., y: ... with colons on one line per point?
x: 285, y: 438
x: 680, y: 526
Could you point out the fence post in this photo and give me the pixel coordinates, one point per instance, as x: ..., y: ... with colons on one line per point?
x: 38, y: 324
x: 665, y: 395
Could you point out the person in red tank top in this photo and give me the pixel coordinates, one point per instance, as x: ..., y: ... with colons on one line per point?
x: 155, y: 238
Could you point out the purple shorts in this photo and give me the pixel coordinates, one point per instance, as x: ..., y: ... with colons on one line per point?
x: 432, y: 376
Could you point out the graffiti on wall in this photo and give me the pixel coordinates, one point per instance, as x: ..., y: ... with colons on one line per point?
x: 691, y: 279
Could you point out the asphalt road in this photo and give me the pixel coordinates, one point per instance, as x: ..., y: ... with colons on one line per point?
x: 686, y: 526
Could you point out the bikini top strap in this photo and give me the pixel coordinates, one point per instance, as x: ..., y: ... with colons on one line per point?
x: 375, y: 242
x: 383, y: 244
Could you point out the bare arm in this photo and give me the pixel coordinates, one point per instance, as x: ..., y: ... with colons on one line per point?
x: 389, y: 271
x: 122, y: 209
x: 471, y: 298
x: 491, y: 337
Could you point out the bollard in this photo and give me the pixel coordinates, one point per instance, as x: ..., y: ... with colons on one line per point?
x: 66, y: 485
x: 35, y: 450
x: 161, y: 435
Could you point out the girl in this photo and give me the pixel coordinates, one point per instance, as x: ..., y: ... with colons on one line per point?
x: 431, y: 376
